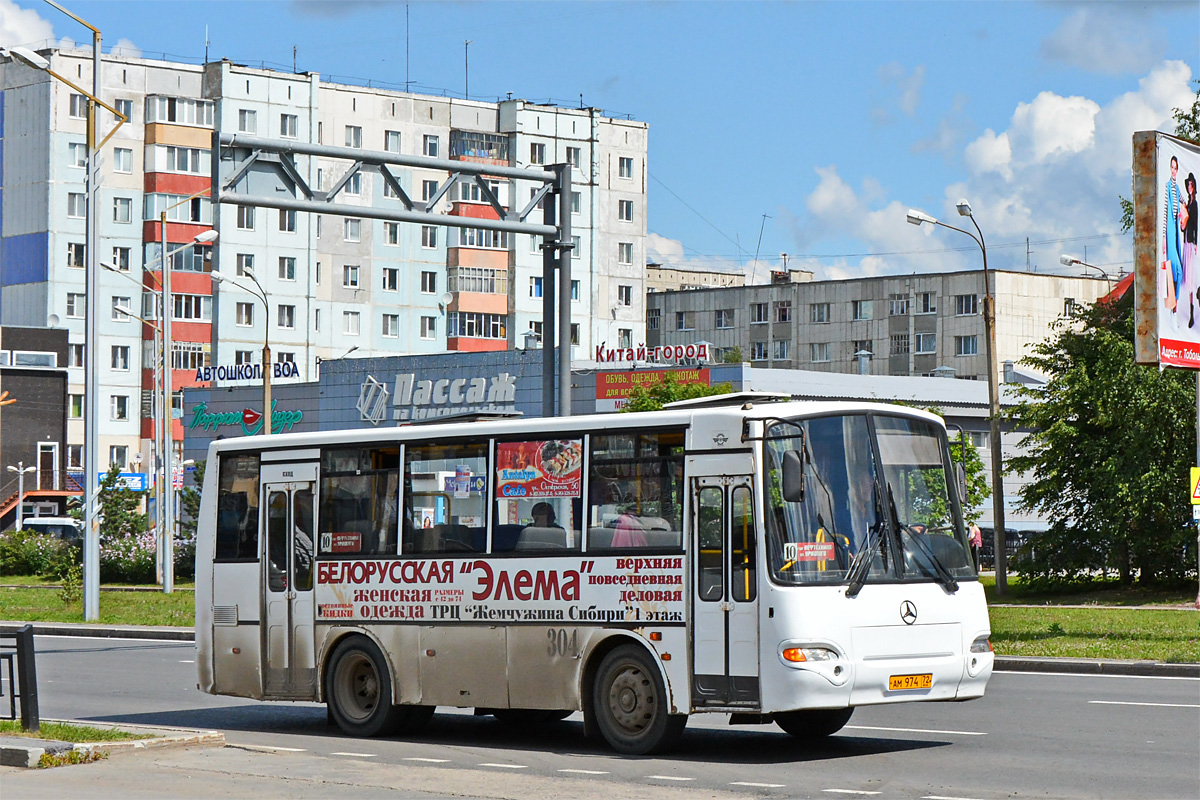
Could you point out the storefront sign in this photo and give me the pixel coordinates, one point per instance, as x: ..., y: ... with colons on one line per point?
x: 414, y: 399
x: 641, y: 353
x: 247, y: 372
x: 250, y: 420
x: 613, y: 388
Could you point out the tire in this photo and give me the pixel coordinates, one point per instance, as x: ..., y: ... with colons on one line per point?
x: 629, y: 702
x: 814, y: 724
x: 358, y: 689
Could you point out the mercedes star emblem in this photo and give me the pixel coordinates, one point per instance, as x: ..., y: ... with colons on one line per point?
x: 908, y: 612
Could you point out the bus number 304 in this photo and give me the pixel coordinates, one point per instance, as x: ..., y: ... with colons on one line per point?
x: 561, y: 643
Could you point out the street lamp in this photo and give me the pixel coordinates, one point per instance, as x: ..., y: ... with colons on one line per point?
x: 220, y: 277
x: 919, y: 218
x: 91, y: 548
x: 21, y: 471
x: 1071, y: 261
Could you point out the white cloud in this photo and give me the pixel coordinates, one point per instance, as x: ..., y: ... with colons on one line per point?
x: 670, y: 253
x: 127, y: 49
x: 19, y: 26
x: 1051, y: 126
x: 1111, y: 38
x: 904, y: 89
x: 990, y: 153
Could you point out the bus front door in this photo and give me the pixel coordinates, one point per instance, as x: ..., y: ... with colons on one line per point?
x: 289, y: 664
x: 725, y: 600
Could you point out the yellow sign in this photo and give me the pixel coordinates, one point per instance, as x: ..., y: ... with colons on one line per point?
x: 1196, y: 486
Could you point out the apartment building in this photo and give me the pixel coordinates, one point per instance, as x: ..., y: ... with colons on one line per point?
x: 334, y: 285
x: 921, y: 324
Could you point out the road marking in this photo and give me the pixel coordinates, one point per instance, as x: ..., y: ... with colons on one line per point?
x: 584, y: 771
x: 187, y: 662
x: 428, y: 760
x: 505, y: 766
x: 848, y: 791
x: 1158, y: 705
x: 758, y: 785
x: 667, y: 778
x: 916, y: 730
x: 266, y: 748
x: 1091, y: 675
x: 356, y: 755
x: 946, y: 797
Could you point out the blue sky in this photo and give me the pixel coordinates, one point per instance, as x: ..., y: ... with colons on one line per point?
x: 830, y: 118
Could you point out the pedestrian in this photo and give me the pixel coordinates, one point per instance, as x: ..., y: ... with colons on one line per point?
x: 976, y: 542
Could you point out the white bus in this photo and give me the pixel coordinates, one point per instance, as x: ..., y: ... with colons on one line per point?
x: 775, y: 561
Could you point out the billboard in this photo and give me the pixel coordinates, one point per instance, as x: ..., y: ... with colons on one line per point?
x: 613, y: 388
x: 1166, y: 261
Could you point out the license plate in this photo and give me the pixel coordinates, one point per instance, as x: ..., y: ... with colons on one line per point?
x: 899, y: 683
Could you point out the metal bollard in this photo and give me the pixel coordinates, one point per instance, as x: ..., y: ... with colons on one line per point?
x: 27, y: 679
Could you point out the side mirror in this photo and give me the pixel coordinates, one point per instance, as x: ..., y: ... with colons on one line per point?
x: 960, y: 473
x: 793, y: 477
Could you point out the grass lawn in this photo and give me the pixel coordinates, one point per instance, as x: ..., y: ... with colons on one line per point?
x: 76, y: 734
x: 116, y: 607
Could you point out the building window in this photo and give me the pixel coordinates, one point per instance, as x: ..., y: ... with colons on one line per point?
x: 428, y: 190
x: 966, y: 305
x: 624, y: 295
x: 350, y: 276
x: 860, y: 309
x: 245, y: 264
x: 428, y: 282
x: 316, y: 319
x: 350, y: 320
x: 288, y: 125
x: 76, y: 305
x: 966, y: 345
x: 625, y: 338
x: 120, y: 307
x: 76, y: 205
x: 429, y: 146
x: 354, y: 184
x: 861, y: 345
x: 190, y: 355
x: 429, y: 236
x: 781, y: 348
x: 120, y: 357
x: 758, y: 313
x: 352, y: 230
x: 1070, y: 307
x: 122, y: 209
x: 391, y: 141
x: 625, y: 252
x: 625, y: 167
x: 625, y: 210
x: 783, y: 310
x: 758, y: 351
x: 653, y: 318
x: 180, y: 110
x: 287, y: 268
x: 75, y: 254
x: 75, y: 355
x: 287, y: 317
x: 121, y: 256
x: 900, y: 344
x: 77, y: 154
x: 685, y: 320
x: 926, y: 342
x: 285, y: 358
x: 478, y: 237
x: 428, y: 327
x: 245, y: 218
x: 535, y: 286
x: 353, y: 136
x: 120, y: 406
x: 391, y: 326
x: 122, y: 160
x: 125, y: 107
x: 926, y: 303
x: 818, y: 312
x: 573, y: 154
x: 245, y: 314
x: 898, y: 305
x: 191, y: 307
x: 118, y: 456
x: 75, y: 406
x: 576, y: 202
x: 724, y: 318
x: 480, y: 280
x: 473, y: 325
x: 391, y: 278
x: 577, y: 248
x: 247, y: 121
x: 287, y: 220
x: 243, y: 357
x: 190, y: 160
x: 537, y: 153
x: 819, y: 352
x: 78, y: 106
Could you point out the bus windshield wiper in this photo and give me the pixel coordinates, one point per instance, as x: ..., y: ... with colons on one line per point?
x: 860, y: 566
x: 942, y: 574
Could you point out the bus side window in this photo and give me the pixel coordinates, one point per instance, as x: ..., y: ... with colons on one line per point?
x: 743, y: 581
x: 237, y: 508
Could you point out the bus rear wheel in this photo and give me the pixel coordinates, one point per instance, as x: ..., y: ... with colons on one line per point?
x: 815, y: 723
x: 629, y: 700
x: 358, y: 690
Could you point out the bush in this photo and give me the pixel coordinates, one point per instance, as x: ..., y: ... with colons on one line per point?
x: 128, y: 559
x: 33, y: 553
x: 185, y: 556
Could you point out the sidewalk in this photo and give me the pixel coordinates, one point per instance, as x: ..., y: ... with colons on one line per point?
x: 1082, y: 666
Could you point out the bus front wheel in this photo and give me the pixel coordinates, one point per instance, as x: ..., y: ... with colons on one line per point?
x: 815, y: 723
x: 358, y: 689
x: 629, y: 700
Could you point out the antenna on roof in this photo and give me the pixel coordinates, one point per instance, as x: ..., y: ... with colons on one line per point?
x: 206, y: 43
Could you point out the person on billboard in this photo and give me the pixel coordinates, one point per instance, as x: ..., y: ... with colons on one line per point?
x: 1172, y: 251
x: 1187, y: 222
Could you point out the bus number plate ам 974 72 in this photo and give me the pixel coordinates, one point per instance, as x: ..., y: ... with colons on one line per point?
x: 898, y: 683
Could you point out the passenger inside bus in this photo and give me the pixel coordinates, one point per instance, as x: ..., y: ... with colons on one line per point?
x: 544, y: 532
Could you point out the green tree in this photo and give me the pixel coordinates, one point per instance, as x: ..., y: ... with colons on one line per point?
x: 189, y: 504
x: 732, y: 356
x: 653, y: 396
x: 1187, y: 126
x: 119, y: 508
x: 1107, y: 455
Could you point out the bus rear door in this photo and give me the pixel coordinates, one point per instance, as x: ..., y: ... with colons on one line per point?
x: 288, y: 501
x: 725, y: 595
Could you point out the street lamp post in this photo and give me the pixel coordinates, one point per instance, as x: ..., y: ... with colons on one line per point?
x: 219, y: 277
x: 989, y: 324
x: 1071, y: 261
x: 21, y: 471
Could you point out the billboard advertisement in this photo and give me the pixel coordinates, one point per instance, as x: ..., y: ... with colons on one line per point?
x: 1167, y: 304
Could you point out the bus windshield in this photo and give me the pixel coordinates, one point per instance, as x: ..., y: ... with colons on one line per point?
x: 876, y: 504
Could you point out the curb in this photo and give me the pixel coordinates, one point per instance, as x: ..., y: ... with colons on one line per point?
x: 162, y: 633
x: 20, y: 751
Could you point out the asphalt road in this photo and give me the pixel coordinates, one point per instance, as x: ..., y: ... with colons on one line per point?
x: 1033, y: 735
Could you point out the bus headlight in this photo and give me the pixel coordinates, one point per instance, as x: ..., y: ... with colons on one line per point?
x: 797, y: 655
